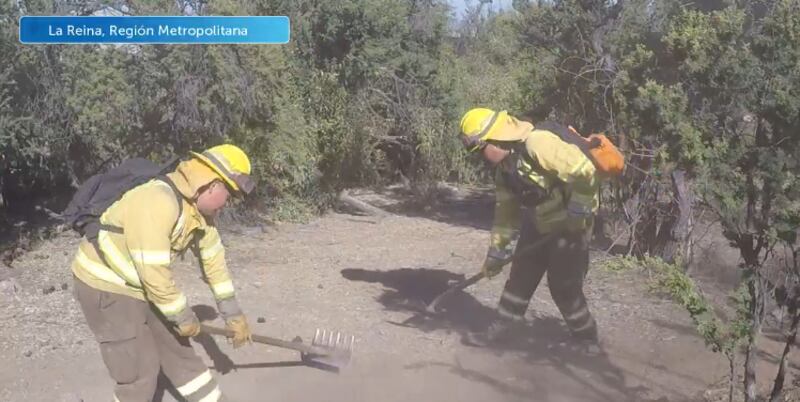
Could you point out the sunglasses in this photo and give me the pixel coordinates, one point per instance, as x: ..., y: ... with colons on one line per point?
x: 473, y: 143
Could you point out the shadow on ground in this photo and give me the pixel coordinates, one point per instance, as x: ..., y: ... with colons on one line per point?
x: 473, y: 209
x: 165, y: 387
x: 222, y: 363
x: 542, y: 342
x: 470, y: 208
x: 411, y: 289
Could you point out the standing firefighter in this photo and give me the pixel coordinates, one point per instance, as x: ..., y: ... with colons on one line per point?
x: 124, y: 286
x: 549, y: 187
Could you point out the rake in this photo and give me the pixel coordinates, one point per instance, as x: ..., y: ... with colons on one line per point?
x: 433, y: 306
x: 328, y: 350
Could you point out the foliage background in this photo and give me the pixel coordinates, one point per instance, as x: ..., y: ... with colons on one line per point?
x: 702, y: 96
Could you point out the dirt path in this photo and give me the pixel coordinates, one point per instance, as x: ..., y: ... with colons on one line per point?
x: 359, y: 275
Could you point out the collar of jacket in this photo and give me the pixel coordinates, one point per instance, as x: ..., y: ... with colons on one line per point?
x: 189, y: 177
x: 512, y: 130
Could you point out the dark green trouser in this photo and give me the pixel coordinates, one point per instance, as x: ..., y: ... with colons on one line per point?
x: 136, y: 343
x: 565, y: 259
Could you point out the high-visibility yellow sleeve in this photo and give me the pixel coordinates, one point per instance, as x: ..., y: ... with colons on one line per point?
x: 212, y: 255
x: 148, y: 227
x: 507, y: 214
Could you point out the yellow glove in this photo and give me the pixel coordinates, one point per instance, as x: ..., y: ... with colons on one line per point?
x: 189, y: 327
x: 241, y: 331
x: 492, y: 266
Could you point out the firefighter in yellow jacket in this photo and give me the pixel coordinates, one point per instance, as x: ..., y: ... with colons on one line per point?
x: 544, y: 187
x: 139, y: 316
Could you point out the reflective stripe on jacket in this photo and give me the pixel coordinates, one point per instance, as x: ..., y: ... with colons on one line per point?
x: 136, y: 262
x: 563, y: 171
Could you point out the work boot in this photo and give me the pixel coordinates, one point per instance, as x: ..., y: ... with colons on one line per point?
x: 497, y: 332
x: 587, y: 344
x: 589, y: 348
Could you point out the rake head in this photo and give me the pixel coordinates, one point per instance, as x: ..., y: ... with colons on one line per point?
x: 333, y: 350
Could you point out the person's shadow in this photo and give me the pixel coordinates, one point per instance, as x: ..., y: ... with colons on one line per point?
x: 222, y: 363
x: 543, y: 341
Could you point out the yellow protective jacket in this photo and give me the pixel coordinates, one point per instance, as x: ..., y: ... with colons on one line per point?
x: 561, y: 170
x: 136, y: 262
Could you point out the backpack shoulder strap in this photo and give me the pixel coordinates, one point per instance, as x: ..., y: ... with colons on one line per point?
x: 170, y: 165
x: 521, y: 153
x: 178, y: 196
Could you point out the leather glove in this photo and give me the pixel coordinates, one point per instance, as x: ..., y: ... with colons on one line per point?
x: 492, y: 266
x: 189, y: 325
x: 241, y: 331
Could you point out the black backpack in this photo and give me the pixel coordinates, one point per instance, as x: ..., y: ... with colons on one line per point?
x: 100, y: 191
x: 516, y: 177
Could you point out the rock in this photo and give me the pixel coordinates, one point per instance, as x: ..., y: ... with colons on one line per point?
x: 9, y: 287
x: 64, y: 286
x: 28, y: 353
x: 261, y: 320
x: 70, y: 397
x: 319, y: 286
x: 48, y: 290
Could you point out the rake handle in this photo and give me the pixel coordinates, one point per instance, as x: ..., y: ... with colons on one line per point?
x: 431, y: 307
x: 267, y: 340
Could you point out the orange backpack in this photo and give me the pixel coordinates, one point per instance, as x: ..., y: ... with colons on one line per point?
x: 607, y: 159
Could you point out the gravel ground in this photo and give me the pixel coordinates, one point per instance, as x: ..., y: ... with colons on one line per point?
x: 363, y: 276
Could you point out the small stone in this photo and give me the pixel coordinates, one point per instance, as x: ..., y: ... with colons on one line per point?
x: 9, y: 287
x: 80, y: 343
x: 261, y: 320
x: 49, y: 290
x: 28, y: 353
x: 257, y: 285
x: 64, y: 286
x: 319, y: 286
x: 70, y: 397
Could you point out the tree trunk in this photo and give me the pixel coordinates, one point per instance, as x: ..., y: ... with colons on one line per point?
x: 633, y: 215
x: 644, y: 237
x: 732, y: 379
x: 346, y: 199
x: 664, y: 229
x: 678, y: 242
x: 755, y: 288
x: 777, y: 388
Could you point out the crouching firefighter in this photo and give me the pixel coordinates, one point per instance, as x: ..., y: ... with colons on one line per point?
x: 140, y: 318
x: 547, y: 187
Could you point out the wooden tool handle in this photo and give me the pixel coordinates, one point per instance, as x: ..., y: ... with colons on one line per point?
x: 431, y: 307
x: 267, y: 340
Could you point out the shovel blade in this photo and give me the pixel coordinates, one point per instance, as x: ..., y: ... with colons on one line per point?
x: 336, y: 350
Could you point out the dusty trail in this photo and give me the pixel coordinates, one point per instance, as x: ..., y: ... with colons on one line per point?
x: 359, y: 275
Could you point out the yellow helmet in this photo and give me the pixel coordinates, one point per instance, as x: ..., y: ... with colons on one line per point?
x: 231, y: 164
x: 478, y: 125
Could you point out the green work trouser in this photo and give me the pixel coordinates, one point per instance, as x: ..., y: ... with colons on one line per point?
x: 136, y: 343
x: 565, y: 259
